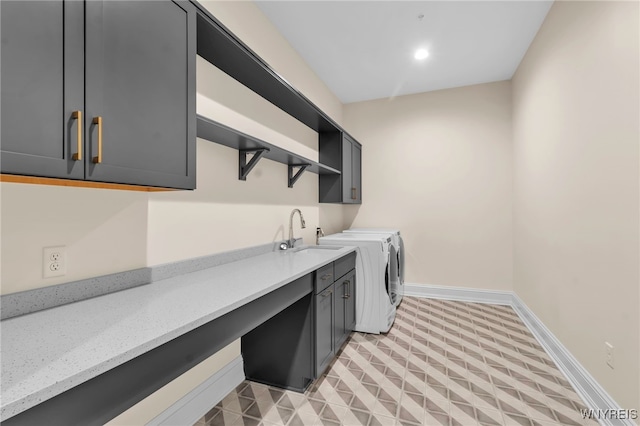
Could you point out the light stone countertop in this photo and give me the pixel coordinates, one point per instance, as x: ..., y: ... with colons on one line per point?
x: 46, y: 353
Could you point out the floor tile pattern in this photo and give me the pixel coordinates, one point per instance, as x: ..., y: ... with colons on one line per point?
x: 442, y: 363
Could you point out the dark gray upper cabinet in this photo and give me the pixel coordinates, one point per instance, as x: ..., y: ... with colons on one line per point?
x: 356, y: 172
x: 140, y: 70
x: 340, y: 151
x: 128, y: 68
x: 42, y: 69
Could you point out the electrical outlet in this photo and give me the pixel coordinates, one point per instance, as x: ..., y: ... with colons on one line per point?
x: 54, y: 261
x: 608, y: 348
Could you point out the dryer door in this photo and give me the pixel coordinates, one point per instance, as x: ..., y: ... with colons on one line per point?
x: 401, y: 269
x: 394, y: 275
x: 401, y: 260
x: 389, y: 283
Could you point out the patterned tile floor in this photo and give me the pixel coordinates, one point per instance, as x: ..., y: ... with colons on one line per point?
x: 442, y: 363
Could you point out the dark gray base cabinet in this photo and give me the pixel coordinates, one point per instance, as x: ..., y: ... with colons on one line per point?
x: 295, y: 347
x: 345, y: 318
x: 279, y: 352
x: 340, y: 151
x: 334, y: 310
x: 325, y: 330
x: 100, y: 91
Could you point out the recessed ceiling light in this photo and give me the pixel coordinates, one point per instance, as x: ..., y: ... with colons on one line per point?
x: 421, y: 54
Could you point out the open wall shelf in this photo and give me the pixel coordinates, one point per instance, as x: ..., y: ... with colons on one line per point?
x: 224, y: 50
x: 219, y: 46
x: 219, y: 133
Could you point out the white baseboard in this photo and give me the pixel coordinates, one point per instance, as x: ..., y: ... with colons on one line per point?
x: 494, y: 297
x: 594, y: 395
x: 191, y: 407
x: 583, y: 383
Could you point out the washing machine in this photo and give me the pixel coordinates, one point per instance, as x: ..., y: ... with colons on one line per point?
x: 398, y: 263
x: 395, y: 289
x: 375, y: 311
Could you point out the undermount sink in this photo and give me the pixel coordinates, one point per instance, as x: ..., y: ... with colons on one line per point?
x: 307, y: 249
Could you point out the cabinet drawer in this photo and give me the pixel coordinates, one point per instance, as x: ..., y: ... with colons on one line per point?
x: 324, y: 277
x: 344, y: 264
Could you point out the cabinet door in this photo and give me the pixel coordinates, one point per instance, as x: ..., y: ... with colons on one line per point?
x: 356, y: 173
x: 347, y: 188
x: 338, y: 150
x: 324, y: 329
x: 140, y: 80
x: 338, y: 323
x: 42, y: 84
x: 350, y: 303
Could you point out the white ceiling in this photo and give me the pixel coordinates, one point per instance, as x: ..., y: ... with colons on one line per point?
x: 364, y: 49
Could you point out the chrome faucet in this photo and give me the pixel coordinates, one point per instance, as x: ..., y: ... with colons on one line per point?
x: 302, y: 225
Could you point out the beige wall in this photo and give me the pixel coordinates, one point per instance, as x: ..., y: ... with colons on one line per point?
x: 576, y: 161
x: 437, y: 165
x: 103, y: 231
x: 225, y: 213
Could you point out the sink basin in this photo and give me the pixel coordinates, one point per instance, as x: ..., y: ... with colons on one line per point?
x: 303, y: 249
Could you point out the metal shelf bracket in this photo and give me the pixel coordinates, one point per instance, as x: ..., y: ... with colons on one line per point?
x: 244, y: 167
x: 293, y: 178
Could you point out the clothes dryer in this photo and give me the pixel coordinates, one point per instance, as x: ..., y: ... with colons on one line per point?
x: 375, y: 311
x: 399, y: 263
x: 395, y: 292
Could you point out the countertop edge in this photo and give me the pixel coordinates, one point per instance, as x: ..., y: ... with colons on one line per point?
x: 26, y: 402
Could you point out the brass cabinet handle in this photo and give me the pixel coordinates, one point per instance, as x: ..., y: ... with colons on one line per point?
x: 78, y: 116
x: 98, y: 158
x: 325, y: 277
x: 326, y: 293
x: 353, y: 193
